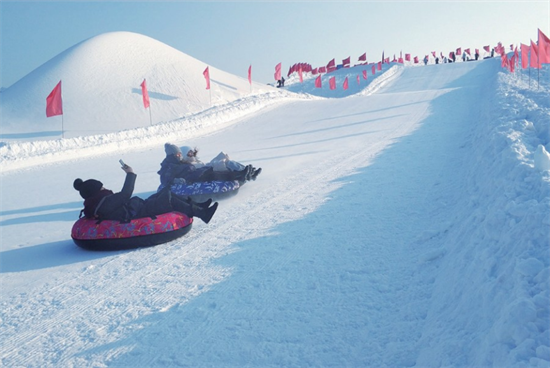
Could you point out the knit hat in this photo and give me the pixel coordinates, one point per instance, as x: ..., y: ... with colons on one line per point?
x: 185, y: 150
x: 171, y: 149
x: 88, y: 188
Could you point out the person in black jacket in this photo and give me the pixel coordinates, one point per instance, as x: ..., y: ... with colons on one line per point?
x: 103, y: 204
x: 172, y: 169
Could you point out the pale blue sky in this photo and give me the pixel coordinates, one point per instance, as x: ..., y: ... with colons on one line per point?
x: 232, y: 35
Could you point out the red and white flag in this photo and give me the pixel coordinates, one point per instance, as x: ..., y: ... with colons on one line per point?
x: 332, y: 83
x: 363, y: 57
x: 206, y: 74
x: 318, y: 82
x: 54, y: 102
x: 277, y: 74
x: 346, y: 61
x: 365, y: 74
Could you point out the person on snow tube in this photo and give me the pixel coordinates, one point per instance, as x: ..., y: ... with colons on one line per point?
x: 221, y: 162
x: 103, y: 204
x: 174, y: 170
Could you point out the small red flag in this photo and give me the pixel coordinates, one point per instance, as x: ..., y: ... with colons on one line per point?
x: 331, y: 64
x: 322, y: 69
x: 467, y: 51
x: 54, y: 102
x: 346, y: 61
x: 416, y: 59
x: 300, y: 74
x: 365, y: 74
x: 363, y: 57
x: 250, y: 74
x: 332, y: 83
x: 487, y: 48
x: 145, y: 94
x: 525, y: 55
x: 206, y: 74
x: 373, y: 69
x: 318, y: 82
x: 345, y: 85
x: 534, y: 62
x: 459, y: 51
x: 358, y: 79
x: 407, y: 57
x: 544, y: 49
x: 379, y: 65
x: 277, y: 72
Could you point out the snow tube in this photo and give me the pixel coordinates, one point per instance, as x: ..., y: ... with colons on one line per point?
x: 201, y: 191
x: 142, y: 232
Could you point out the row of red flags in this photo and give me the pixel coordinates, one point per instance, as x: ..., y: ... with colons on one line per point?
x: 539, y: 54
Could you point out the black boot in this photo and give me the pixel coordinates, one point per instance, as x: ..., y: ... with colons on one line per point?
x: 205, y: 214
x: 204, y: 204
x: 244, y: 174
x: 256, y: 173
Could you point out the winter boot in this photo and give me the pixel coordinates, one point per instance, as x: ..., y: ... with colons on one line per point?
x: 205, y: 214
x: 205, y: 204
x: 256, y: 173
x: 244, y: 174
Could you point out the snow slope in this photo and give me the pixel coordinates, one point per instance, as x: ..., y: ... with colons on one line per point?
x: 403, y: 226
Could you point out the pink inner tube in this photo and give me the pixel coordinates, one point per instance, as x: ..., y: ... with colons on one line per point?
x: 142, y: 232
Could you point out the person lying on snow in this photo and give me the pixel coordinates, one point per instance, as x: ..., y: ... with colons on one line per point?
x: 103, y: 204
x: 174, y: 170
x: 221, y: 162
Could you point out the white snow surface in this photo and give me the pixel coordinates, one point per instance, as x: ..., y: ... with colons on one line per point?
x: 402, y: 223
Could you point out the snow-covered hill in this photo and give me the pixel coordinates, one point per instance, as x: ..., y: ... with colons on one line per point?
x: 404, y: 225
x: 101, y: 80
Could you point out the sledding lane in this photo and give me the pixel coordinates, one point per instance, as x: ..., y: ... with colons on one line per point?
x: 283, y: 275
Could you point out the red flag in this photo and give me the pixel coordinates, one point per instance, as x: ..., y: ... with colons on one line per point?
x: 487, y: 48
x: 250, y: 74
x: 534, y: 56
x: 363, y: 57
x: 318, y: 82
x: 407, y: 57
x: 331, y: 64
x: 365, y: 74
x: 314, y: 71
x: 467, y: 51
x: 345, y: 85
x: 433, y: 53
x: 322, y: 69
x: 459, y: 51
x: 332, y: 83
x: 525, y: 55
x: 373, y: 69
x: 54, y: 102
x: 358, y: 79
x: 477, y: 51
x: 145, y: 94
x: 278, y: 72
x: 416, y: 59
x: 206, y: 74
x: 300, y: 74
x: 544, y: 49
x: 379, y: 65
x: 512, y: 63
x: 346, y: 61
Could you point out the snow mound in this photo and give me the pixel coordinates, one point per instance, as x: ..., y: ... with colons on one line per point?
x: 101, y: 80
x: 542, y: 158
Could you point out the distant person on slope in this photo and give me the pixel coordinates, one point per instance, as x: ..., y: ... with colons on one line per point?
x: 103, y: 204
x: 173, y: 169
